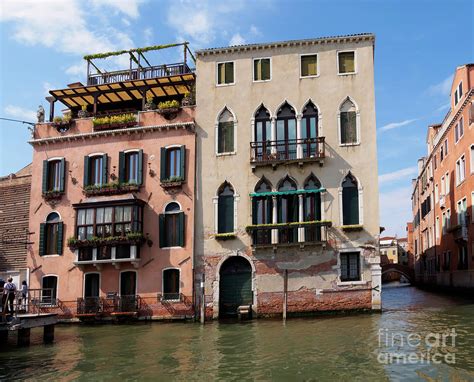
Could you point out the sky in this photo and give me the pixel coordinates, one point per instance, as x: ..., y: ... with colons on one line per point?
x: 419, y: 43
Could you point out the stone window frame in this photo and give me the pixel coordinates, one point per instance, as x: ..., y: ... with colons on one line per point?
x: 217, y: 73
x: 215, y: 201
x: 358, y: 129
x: 361, y: 199
x: 362, y: 280
x: 216, y: 132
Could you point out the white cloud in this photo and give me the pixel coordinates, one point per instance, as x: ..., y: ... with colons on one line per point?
x: 442, y: 88
x: 201, y: 21
x: 397, y: 175
x: 395, y: 125
x: 395, y: 211
x: 127, y: 7
x: 20, y: 113
x: 254, y: 31
x: 63, y: 25
x: 148, y: 35
x: 446, y: 106
x: 237, y: 39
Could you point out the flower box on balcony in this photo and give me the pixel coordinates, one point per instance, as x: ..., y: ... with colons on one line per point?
x: 132, y: 238
x: 111, y: 189
x: 113, y: 122
x: 169, y: 109
x: 225, y: 236
x: 62, y: 124
x: 254, y: 227
x: 52, y: 195
x: 352, y: 227
x: 174, y: 181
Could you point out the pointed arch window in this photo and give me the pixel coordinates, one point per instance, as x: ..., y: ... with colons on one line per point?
x: 225, y: 132
x: 286, y: 132
x: 225, y: 209
x: 263, y: 134
x: 350, y: 200
x: 348, y: 123
x: 312, y: 208
x: 262, y: 212
x: 51, y: 235
x: 288, y: 210
x: 309, y: 131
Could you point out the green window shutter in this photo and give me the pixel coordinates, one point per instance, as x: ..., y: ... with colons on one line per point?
x: 256, y: 72
x: 140, y: 167
x: 225, y: 215
x: 45, y: 176
x: 254, y: 211
x: 121, y: 167
x: 352, y: 128
x: 163, y: 164
x: 62, y: 175
x: 162, y: 235
x: 42, y: 242
x: 181, y: 229
x: 104, y: 169
x: 183, y: 161
x: 86, y: 171
x: 266, y: 69
x: 59, y: 247
x: 229, y: 72
x: 344, y: 124
x: 350, y: 206
x: 230, y: 135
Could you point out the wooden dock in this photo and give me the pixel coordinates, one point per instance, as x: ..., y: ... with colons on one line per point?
x: 23, y: 323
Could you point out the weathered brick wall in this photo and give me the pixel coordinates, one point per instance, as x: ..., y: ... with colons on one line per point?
x: 14, y: 215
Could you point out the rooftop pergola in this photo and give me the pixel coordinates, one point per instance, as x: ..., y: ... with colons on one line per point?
x: 140, y: 81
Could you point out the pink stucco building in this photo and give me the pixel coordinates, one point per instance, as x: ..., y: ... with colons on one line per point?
x: 112, y: 197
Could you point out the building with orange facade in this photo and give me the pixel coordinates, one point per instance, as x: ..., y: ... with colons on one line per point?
x: 112, y: 201
x: 443, y: 194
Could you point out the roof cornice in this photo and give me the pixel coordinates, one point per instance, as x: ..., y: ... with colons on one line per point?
x: 290, y: 43
x: 132, y: 130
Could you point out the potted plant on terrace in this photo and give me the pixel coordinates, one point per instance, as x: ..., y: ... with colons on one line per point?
x: 83, y: 112
x: 62, y: 124
x: 169, y: 109
x: 134, y: 238
x: 150, y: 105
x: 119, y: 121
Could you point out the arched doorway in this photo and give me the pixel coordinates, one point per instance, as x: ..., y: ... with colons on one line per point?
x: 235, y: 285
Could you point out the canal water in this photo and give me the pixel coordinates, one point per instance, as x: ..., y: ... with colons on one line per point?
x: 363, y: 347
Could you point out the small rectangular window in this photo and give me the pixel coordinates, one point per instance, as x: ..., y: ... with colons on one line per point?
x: 261, y: 69
x: 350, y: 266
x: 225, y: 73
x: 309, y: 65
x: 131, y: 167
x: 346, y: 62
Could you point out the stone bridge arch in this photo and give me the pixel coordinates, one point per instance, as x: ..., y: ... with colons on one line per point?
x: 404, y: 270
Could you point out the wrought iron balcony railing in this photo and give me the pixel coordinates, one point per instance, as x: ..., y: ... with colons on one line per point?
x: 298, y: 150
x: 138, y: 74
x: 312, y: 232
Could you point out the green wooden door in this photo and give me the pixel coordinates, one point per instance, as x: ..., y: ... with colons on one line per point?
x: 235, y: 288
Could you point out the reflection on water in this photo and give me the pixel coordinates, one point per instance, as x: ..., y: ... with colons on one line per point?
x: 327, y: 348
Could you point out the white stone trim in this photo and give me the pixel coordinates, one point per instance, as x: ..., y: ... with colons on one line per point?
x: 253, y: 69
x: 361, y: 200
x: 216, y: 132
x: 355, y: 62
x: 163, y: 281
x: 361, y: 266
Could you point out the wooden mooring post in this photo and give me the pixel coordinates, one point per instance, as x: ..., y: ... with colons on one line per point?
x: 24, y: 337
x: 48, y: 334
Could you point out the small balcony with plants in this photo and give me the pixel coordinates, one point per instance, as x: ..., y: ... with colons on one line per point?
x: 114, y: 188
x: 289, y: 234
x: 108, y: 233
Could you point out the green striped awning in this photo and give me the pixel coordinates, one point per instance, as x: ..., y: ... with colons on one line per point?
x: 292, y: 192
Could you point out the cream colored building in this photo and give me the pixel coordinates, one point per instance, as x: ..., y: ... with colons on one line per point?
x: 286, y: 136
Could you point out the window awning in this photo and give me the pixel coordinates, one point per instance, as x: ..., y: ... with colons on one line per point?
x: 291, y: 192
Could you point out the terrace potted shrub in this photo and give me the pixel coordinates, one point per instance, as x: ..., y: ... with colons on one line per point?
x: 169, y: 109
x: 62, y: 124
x: 114, y: 122
x: 150, y: 105
x: 83, y: 112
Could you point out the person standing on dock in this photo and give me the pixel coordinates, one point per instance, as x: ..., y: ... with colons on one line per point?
x: 9, y: 290
x: 24, y: 291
